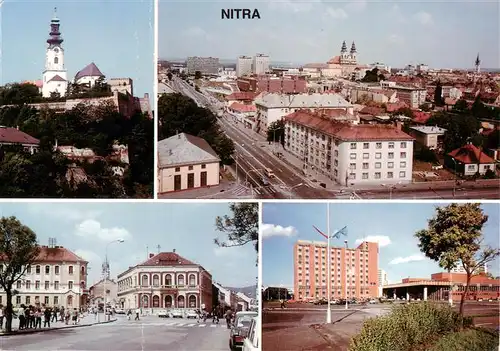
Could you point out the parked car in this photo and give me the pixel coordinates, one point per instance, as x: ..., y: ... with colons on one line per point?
x: 373, y: 301
x: 239, y: 330
x: 119, y: 311
x: 321, y: 302
x: 252, y: 341
x: 191, y: 314
x: 162, y: 314
x: 264, y: 181
x: 177, y: 314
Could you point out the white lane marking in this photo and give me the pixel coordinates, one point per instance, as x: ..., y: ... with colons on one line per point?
x: 190, y: 325
x: 202, y: 325
x: 213, y: 325
x: 171, y: 324
x: 180, y: 324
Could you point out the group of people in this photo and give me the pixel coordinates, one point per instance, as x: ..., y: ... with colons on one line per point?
x: 31, y: 317
x: 216, y: 314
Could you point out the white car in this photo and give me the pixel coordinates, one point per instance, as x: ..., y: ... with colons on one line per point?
x: 252, y: 341
x: 176, y: 314
x: 191, y: 314
x: 162, y: 314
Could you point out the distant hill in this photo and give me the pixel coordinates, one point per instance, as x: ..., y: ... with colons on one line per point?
x: 248, y: 290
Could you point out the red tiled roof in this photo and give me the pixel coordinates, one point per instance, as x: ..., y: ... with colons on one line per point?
x: 470, y: 154
x: 372, y: 110
x: 57, y: 254
x: 334, y: 60
x: 331, y: 112
x: 247, y: 95
x: 392, y: 107
x: 421, y: 117
x: 167, y: 259
x: 15, y: 136
x: 450, y: 101
x: 347, y: 131
x: 242, y: 108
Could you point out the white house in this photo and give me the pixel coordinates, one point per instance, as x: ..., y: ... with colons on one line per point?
x: 470, y: 160
x: 88, y: 75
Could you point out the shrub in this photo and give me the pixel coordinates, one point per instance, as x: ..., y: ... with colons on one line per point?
x: 468, y: 340
x: 407, y: 326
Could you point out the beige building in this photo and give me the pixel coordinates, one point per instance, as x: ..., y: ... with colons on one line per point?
x: 431, y: 137
x: 165, y: 280
x: 186, y: 162
x: 58, y: 277
x: 96, y: 292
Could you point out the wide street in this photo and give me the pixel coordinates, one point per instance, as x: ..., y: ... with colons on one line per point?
x: 253, y: 155
x: 149, y: 334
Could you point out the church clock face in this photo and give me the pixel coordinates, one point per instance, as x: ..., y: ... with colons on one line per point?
x: 56, y: 50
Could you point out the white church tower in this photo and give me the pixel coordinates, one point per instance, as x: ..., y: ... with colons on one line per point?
x: 55, y: 79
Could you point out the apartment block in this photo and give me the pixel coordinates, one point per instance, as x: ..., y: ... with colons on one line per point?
x: 205, y: 65
x: 353, y: 268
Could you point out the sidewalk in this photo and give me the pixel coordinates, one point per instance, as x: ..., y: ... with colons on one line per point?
x: 86, y: 321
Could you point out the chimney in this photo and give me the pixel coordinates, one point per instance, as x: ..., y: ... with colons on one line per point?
x: 399, y: 125
x: 17, y: 127
x: 173, y: 251
x: 151, y: 255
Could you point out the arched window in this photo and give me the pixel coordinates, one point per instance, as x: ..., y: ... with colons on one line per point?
x: 180, y: 280
x: 156, y: 301
x: 168, y: 301
x: 69, y: 300
x: 56, y: 60
x: 192, y: 280
x: 168, y: 280
x: 83, y: 270
x: 180, y: 301
x: 145, y: 280
x: 156, y: 280
x: 192, y: 301
x: 145, y: 301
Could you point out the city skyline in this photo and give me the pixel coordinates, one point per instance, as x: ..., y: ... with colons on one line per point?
x: 399, y: 255
x: 92, y: 32
x: 86, y: 228
x: 396, y: 34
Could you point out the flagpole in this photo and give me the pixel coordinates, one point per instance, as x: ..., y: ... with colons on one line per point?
x: 329, y: 277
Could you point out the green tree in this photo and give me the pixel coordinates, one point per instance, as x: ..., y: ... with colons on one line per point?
x: 460, y: 106
x: 18, y: 94
x: 454, y: 237
x: 404, y: 111
x: 460, y: 128
x: 438, y: 95
x: 197, y: 75
x: 425, y: 107
x: 18, y: 251
x: 276, y: 132
x: 169, y: 76
x: 373, y: 76
x: 242, y: 227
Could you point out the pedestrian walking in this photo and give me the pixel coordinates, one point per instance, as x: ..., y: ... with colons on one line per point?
x: 74, y: 316
x: 129, y: 314
x: 137, y: 312
x: 229, y: 317
x: 37, y: 314
x: 54, y: 315
x: 2, y: 314
x: 22, y: 317
x: 31, y: 317
x: 47, y: 314
x: 62, y: 314
x: 67, y: 316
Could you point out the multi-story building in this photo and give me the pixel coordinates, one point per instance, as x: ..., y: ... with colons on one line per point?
x: 96, y: 292
x: 284, y: 85
x: 413, y: 97
x: 261, y: 64
x: 58, y: 277
x: 205, y: 65
x: 353, y: 271
x: 244, y: 66
x: 429, y: 136
x: 461, y: 270
x: 382, y: 280
x: 122, y: 85
x: 350, y: 154
x: 273, y: 107
x: 165, y: 280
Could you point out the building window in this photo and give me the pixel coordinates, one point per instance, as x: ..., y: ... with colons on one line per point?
x: 28, y: 300
x: 18, y: 300
x: 378, y: 165
x: 203, y: 166
x: 18, y: 284
x: 403, y: 144
x: 28, y: 271
x: 70, y: 285
x: 56, y: 300
x: 390, y: 165
x: 377, y: 175
x: 366, y: 145
x: 168, y: 280
x: 352, y: 166
x: 391, y: 154
x: 46, y: 300
x: 37, y: 284
x: 177, y: 169
x: 365, y: 165
x: 28, y: 284
x: 180, y: 280
x: 144, y: 280
x: 47, y: 269
x: 37, y: 269
x: 403, y: 155
x: 156, y: 280
x: 56, y: 285
x: 190, y: 168
x: 471, y: 167
x: 56, y: 270
x: 192, y: 280
x: 70, y: 270
x: 56, y: 60
x: 365, y: 176
x: 352, y: 156
x: 378, y: 145
x: 353, y: 146
x: 391, y: 145
x: 366, y: 156
x: 47, y: 284
x: 402, y: 164
x: 402, y: 174
x: 390, y: 175
x: 352, y: 175
x: 378, y: 155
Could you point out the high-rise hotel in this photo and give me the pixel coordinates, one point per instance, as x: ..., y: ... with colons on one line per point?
x: 356, y: 267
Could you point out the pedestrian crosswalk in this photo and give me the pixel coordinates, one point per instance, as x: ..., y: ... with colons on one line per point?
x: 135, y: 324
x: 240, y: 190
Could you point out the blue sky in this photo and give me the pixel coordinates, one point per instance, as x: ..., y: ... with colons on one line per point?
x: 86, y: 228
x: 118, y: 36
x: 440, y: 34
x: 392, y: 225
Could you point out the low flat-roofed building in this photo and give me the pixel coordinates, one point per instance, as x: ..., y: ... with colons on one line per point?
x: 429, y: 136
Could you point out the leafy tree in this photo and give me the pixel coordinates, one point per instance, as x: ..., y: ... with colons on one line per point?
x: 438, y: 95
x: 425, y: 107
x: 460, y: 106
x: 373, y: 76
x: 18, y: 94
x: 276, y: 132
x: 169, y: 76
x: 180, y: 114
x: 404, y: 111
x: 454, y: 237
x: 425, y: 154
x: 18, y: 251
x: 459, y: 128
x: 242, y: 227
x: 197, y: 75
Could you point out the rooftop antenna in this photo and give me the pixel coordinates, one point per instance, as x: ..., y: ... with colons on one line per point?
x: 52, y: 242
x: 147, y: 252
x: 158, y: 247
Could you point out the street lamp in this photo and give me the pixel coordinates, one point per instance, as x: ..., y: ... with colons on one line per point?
x: 293, y: 187
x: 107, y: 271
